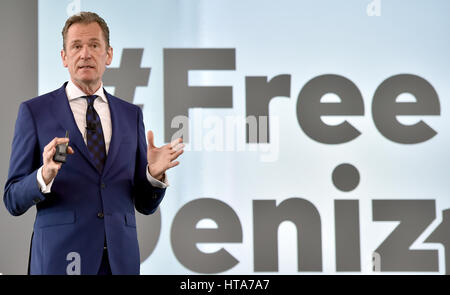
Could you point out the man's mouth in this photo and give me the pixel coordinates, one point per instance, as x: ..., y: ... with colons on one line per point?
x: 86, y: 67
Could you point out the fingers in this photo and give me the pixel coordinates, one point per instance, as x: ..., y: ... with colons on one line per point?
x: 175, y: 155
x: 50, y: 149
x: 163, y: 157
x: 173, y: 164
x: 47, y: 155
x: 176, y: 142
x: 47, y: 158
x: 150, y: 139
x: 56, y: 141
x: 177, y: 147
x: 50, y: 168
x: 70, y: 150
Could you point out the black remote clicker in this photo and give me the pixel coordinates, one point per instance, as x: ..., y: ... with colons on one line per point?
x: 61, y: 151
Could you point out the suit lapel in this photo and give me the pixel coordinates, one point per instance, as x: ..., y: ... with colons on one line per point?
x: 63, y: 114
x: 116, y: 137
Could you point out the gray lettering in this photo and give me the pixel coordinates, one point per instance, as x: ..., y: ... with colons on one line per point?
x: 129, y: 75
x: 310, y: 109
x: 266, y: 220
x: 348, y: 253
x: 179, y: 96
x: 414, y: 217
x: 259, y: 92
x: 385, y: 108
x: 442, y: 235
x: 185, y: 235
x: 148, y: 231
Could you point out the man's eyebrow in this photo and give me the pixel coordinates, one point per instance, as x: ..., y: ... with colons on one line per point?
x: 78, y: 40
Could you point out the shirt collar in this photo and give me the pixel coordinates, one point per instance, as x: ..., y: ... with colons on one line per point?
x: 74, y: 92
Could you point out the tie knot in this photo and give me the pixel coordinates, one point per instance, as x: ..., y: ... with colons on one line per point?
x: 90, y: 99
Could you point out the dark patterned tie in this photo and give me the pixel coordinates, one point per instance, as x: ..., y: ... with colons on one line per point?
x: 94, y: 134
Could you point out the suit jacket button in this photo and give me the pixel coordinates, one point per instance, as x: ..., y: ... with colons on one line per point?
x: 36, y: 200
x: 155, y: 196
x: 103, y: 185
x: 100, y: 215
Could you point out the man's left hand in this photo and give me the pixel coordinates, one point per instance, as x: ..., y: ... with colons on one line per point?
x: 162, y: 158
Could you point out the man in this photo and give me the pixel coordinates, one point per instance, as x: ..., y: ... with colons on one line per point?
x: 85, y: 221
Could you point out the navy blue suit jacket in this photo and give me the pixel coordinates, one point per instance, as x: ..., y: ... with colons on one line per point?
x: 84, y: 205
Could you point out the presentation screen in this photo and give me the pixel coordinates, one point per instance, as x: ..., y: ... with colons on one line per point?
x: 317, y: 132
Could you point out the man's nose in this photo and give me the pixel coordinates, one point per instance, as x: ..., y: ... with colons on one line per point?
x: 85, y: 52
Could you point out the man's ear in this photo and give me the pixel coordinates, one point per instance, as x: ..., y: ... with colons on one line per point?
x: 64, y: 58
x: 109, y: 56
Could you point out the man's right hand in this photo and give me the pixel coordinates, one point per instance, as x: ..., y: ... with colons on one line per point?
x: 50, y: 168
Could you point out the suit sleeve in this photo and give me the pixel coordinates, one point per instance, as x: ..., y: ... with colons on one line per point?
x: 146, y: 196
x: 21, y: 188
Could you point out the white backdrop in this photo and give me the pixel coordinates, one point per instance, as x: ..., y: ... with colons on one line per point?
x: 304, y: 39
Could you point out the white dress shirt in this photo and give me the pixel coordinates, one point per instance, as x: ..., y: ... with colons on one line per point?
x: 78, y: 104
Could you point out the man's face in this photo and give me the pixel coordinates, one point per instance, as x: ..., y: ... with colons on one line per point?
x: 86, y: 56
